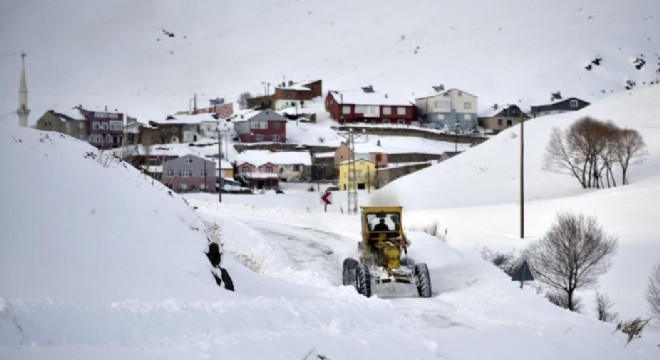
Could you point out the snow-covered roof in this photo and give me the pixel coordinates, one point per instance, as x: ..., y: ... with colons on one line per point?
x: 72, y: 113
x: 260, y: 157
x: 188, y: 119
x: 435, y: 93
x: 246, y: 115
x: 296, y: 87
x: 375, y: 98
x: 324, y: 155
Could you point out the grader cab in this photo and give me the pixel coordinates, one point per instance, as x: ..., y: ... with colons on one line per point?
x: 384, y: 254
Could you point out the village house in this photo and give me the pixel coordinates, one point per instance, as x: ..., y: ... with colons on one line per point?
x: 260, y: 176
x: 71, y: 123
x: 180, y: 129
x: 570, y: 104
x: 189, y: 173
x: 375, y: 155
x: 291, y: 165
x: 287, y: 94
x: 498, y: 119
x: 364, y: 175
x: 296, y: 94
x: 102, y: 129
x: 453, y: 109
x: 259, y: 125
x: 369, y: 106
x: 216, y: 106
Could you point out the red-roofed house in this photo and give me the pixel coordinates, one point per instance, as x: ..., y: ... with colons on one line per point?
x: 367, y: 106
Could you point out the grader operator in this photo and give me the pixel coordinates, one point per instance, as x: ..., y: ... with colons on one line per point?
x: 384, y: 254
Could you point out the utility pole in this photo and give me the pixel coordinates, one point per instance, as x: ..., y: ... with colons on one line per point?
x: 219, y: 180
x: 352, y: 184
x: 522, y: 177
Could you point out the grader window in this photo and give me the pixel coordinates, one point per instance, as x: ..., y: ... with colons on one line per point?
x: 383, y: 221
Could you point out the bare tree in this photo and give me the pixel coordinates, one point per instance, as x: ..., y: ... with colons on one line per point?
x: 653, y: 292
x: 631, y: 148
x: 590, y: 147
x: 571, y: 255
x: 604, y: 308
x: 242, y: 100
x: 560, y: 159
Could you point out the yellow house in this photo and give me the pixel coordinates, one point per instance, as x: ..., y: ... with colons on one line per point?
x: 365, y: 174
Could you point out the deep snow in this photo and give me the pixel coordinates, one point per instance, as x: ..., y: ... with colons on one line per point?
x: 98, y: 261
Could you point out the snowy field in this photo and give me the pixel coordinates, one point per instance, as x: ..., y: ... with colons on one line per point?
x: 99, y: 261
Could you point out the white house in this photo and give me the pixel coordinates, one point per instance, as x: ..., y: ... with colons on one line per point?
x: 292, y: 165
x: 449, y: 109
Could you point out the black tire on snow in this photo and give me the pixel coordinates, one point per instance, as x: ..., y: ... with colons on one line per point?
x: 363, y: 280
x: 423, y: 280
x: 348, y: 274
x: 408, y: 261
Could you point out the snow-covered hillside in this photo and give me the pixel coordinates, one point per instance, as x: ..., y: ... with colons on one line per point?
x: 120, y: 54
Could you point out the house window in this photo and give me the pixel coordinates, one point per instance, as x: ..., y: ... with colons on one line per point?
x: 188, y: 160
x: 183, y: 186
x: 401, y: 121
x: 260, y: 124
x: 115, y: 125
x: 276, y: 138
x: 185, y: 173
x: 269, y: 169
x: 95, y: 125
x: 202, y: 186
x: 441, y: 104
x: 467, y: 105
x: 467, y: 116
x: 574, y: 103
x: 373, y: 110
x: 387, y: 110
x: 67, y: 126
x: 499, y: 122
x: 509, y: 123
x: 245, y: 170
x: 202, y: 173
x: 400, y: 111
x: 81, y: 125
x: 259, y: 137
x: 170, y: 173
x: 108, y: 139
x: 360, y: 109
x: 104, y: 126
x: 346, y: 109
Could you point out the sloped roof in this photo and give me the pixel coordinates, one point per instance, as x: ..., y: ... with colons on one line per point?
x: 375, y: 98
x: 187, y: 119
x: 248, y: 114
x: 436, y: 93
x: 74, y: 114
x: 261, y: 157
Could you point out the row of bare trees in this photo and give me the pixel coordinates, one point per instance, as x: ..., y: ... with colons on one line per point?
x: 589, y: 149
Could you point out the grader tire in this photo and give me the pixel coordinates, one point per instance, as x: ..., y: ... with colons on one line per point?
x: 423, y: 280
x: 363, y: 280
x: 349, y: 272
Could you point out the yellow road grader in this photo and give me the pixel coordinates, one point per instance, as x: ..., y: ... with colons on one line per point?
x: 384, y: 254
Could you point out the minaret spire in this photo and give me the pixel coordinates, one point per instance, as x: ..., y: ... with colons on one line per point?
x: 23, y: 110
